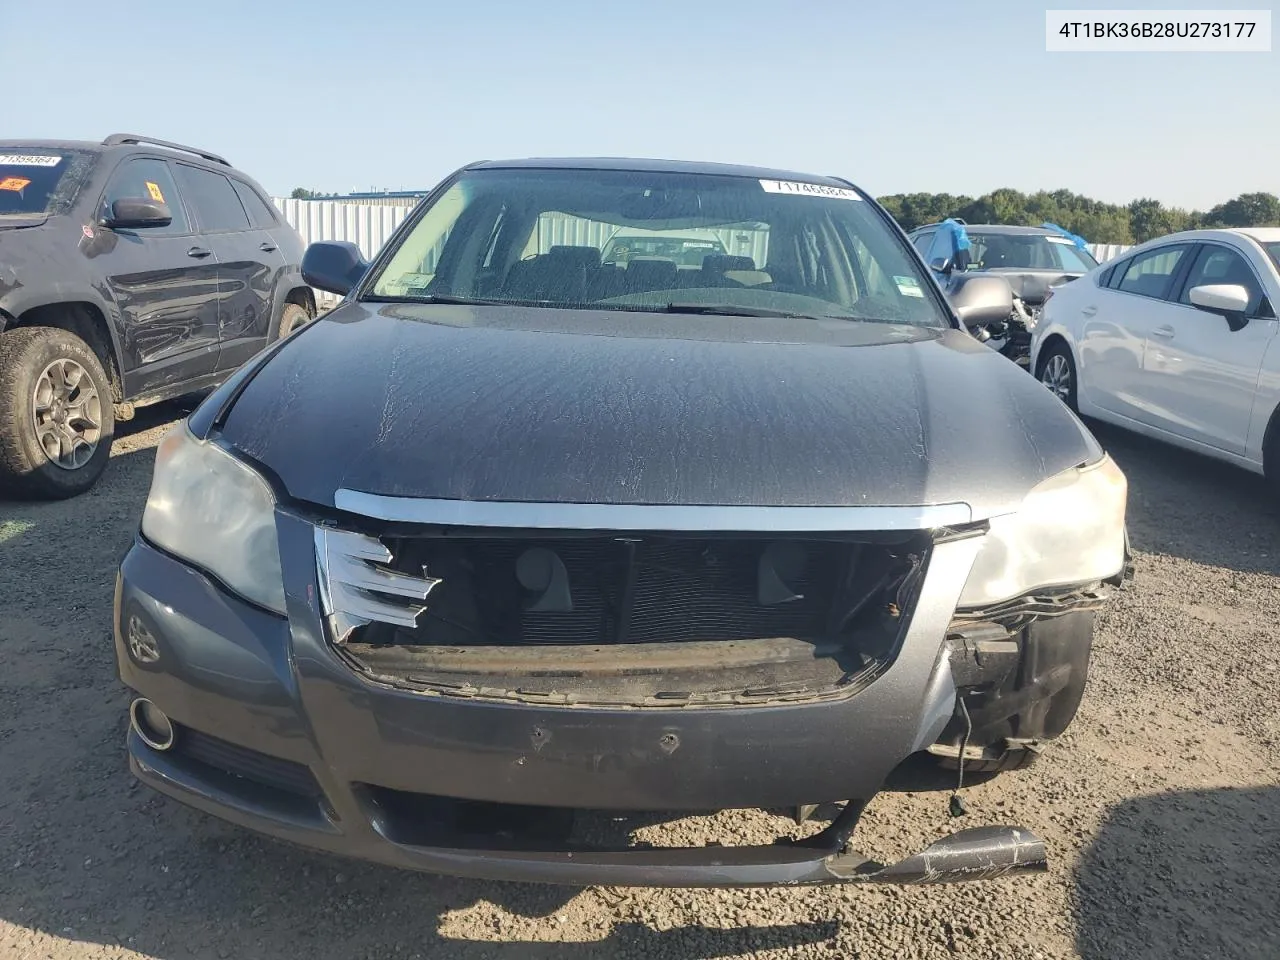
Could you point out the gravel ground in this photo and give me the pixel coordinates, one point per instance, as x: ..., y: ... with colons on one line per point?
x: 1160, y: 807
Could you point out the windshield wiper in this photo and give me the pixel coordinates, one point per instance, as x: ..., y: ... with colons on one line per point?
x: 438, y: 298
x: 734, y: 310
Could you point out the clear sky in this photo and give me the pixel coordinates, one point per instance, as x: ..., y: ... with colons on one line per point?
x: 899, y: 97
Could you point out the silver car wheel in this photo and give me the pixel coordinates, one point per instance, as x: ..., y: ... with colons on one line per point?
x: 1056, y: 375
x: 66, y: 411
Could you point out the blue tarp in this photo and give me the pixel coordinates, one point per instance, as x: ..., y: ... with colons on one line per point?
x: 950, y: 243
x: 1077, y: 240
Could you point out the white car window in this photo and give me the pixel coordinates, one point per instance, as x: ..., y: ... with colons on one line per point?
x: 1150, y: 274
x: 1217, y: 265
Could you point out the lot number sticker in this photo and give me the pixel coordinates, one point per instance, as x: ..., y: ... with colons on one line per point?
x: 154, y: 190
x: 28, y: 160
x: 908, y: 286
x: 16, y: 184
x: 808, y: 189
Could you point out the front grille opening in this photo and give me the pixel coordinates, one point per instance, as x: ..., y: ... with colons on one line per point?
x: 646, y: 619
x: 424, y: 820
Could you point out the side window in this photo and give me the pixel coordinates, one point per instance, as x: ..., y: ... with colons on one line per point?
x: 261, y: 214
x: 213, y: 199
x: 1214, y: 265
x: 922, y: 242
x: 145, y: 178
x: 1105, y: 277
x: 1150, y: 274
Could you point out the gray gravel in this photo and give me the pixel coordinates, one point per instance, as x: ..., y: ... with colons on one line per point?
x: 1161, y: 807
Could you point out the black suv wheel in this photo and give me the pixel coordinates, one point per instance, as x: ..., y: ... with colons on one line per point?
x: 56, y: 417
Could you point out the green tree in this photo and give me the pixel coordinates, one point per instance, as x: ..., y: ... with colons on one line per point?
x: 1247, y: 210
x: 301, y: 193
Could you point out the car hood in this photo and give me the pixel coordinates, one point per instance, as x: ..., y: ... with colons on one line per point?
x: 1030, y: 286
x: 580, y: 406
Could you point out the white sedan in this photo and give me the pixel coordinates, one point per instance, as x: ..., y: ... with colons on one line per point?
x: 1176, y: 339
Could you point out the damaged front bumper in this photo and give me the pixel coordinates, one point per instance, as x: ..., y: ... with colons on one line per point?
x: 978, y: 853
x: 309, y: 752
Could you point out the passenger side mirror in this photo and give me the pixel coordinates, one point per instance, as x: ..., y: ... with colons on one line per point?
x: 979, y: 300
x: 1229, y: 300
x: 334, y: 266
x: 138, y: 214
x: 940, y: 265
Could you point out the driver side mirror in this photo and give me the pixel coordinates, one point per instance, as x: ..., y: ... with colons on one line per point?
x: 138, y: 214
x: 334, y: 266
x: 1229, y: 300
x: 940, y: 265
x: 981, y: 299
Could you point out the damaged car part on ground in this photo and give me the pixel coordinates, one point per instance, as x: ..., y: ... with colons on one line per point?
x: 628, y: 538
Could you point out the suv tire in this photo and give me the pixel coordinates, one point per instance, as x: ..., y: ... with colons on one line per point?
x: 291, y: 319
x: 48, y: 366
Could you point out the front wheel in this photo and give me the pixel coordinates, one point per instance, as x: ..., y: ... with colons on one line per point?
x: 1057, y: 371
x: 56, y: 415
x: 291, y: 319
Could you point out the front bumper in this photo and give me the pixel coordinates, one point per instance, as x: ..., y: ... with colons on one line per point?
x: 309, y: 752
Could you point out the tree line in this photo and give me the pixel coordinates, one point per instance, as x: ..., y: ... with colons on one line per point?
x: 1094, y: 220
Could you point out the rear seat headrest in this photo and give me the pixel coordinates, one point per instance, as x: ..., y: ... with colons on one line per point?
x: 583, y: 256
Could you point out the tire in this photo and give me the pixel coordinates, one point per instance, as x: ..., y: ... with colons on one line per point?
x: 48, y: 366
x: 1057, y: 371
x: 291, y: 319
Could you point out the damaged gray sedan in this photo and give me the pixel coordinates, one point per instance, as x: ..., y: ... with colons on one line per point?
x: 521, y: 532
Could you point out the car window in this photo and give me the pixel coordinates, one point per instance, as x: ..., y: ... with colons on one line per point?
x: 1216, y: 264
x: 1071, y: 259
x: 41, y: 181
x: 1150, y: 274
x: 630, y: 240
x: 922, y: 242
x: 213, y: 200
x: 1273, y: 251
x: 146, y: 178
x: 261, y: 213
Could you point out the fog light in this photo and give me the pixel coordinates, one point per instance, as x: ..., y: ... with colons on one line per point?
x: 151, y: 725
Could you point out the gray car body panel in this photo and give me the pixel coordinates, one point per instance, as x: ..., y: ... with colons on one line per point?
x: 580, y: 406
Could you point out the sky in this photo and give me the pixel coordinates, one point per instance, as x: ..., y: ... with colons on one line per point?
x: 897, y: 97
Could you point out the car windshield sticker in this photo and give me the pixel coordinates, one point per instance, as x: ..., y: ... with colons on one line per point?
x: 809, y: 189
x: 154, y: 190
x: 908, y: 286
x: 16, y: 184
x: 28, y: 160
x: 1062, y: 240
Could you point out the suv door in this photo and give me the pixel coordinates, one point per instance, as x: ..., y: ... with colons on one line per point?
x: 247, y: 263
x: 162, y: 280
x: 1200, y: 376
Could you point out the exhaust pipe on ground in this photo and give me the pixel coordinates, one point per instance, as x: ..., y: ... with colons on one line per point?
x: 151, y: 725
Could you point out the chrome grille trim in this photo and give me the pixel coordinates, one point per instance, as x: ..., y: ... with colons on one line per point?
x: 357, y: 588
x: 650, y: 517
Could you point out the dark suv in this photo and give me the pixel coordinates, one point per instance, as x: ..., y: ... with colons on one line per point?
x: 131, y: 271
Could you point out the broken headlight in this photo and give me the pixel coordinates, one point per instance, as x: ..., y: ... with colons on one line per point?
x: 1069, y: 530
x: 208, y: 508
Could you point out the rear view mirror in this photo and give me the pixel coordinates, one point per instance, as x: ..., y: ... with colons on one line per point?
x: 334, y: 266
x: 138, y: 214
x: 981, y: 299
x: 1230, y: 300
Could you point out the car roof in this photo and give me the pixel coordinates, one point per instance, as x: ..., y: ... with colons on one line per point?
x: 97, y: 146
x: 657, y: 166
x: 1005, y: 228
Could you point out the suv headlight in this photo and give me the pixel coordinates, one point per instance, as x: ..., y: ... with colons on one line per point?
x: 1069, y: 530
x: 208, y: 508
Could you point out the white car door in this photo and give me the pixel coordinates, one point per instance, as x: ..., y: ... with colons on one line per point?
x: 1114, y: 324
x: 1200, y: 376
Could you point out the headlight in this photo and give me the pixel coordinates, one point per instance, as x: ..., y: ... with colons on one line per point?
x: 1069, y: 530
x: 208, y: 508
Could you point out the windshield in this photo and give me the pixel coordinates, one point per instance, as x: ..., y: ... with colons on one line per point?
x: 674, y: 242
x: 40, y: 181
x: 995, y: 251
